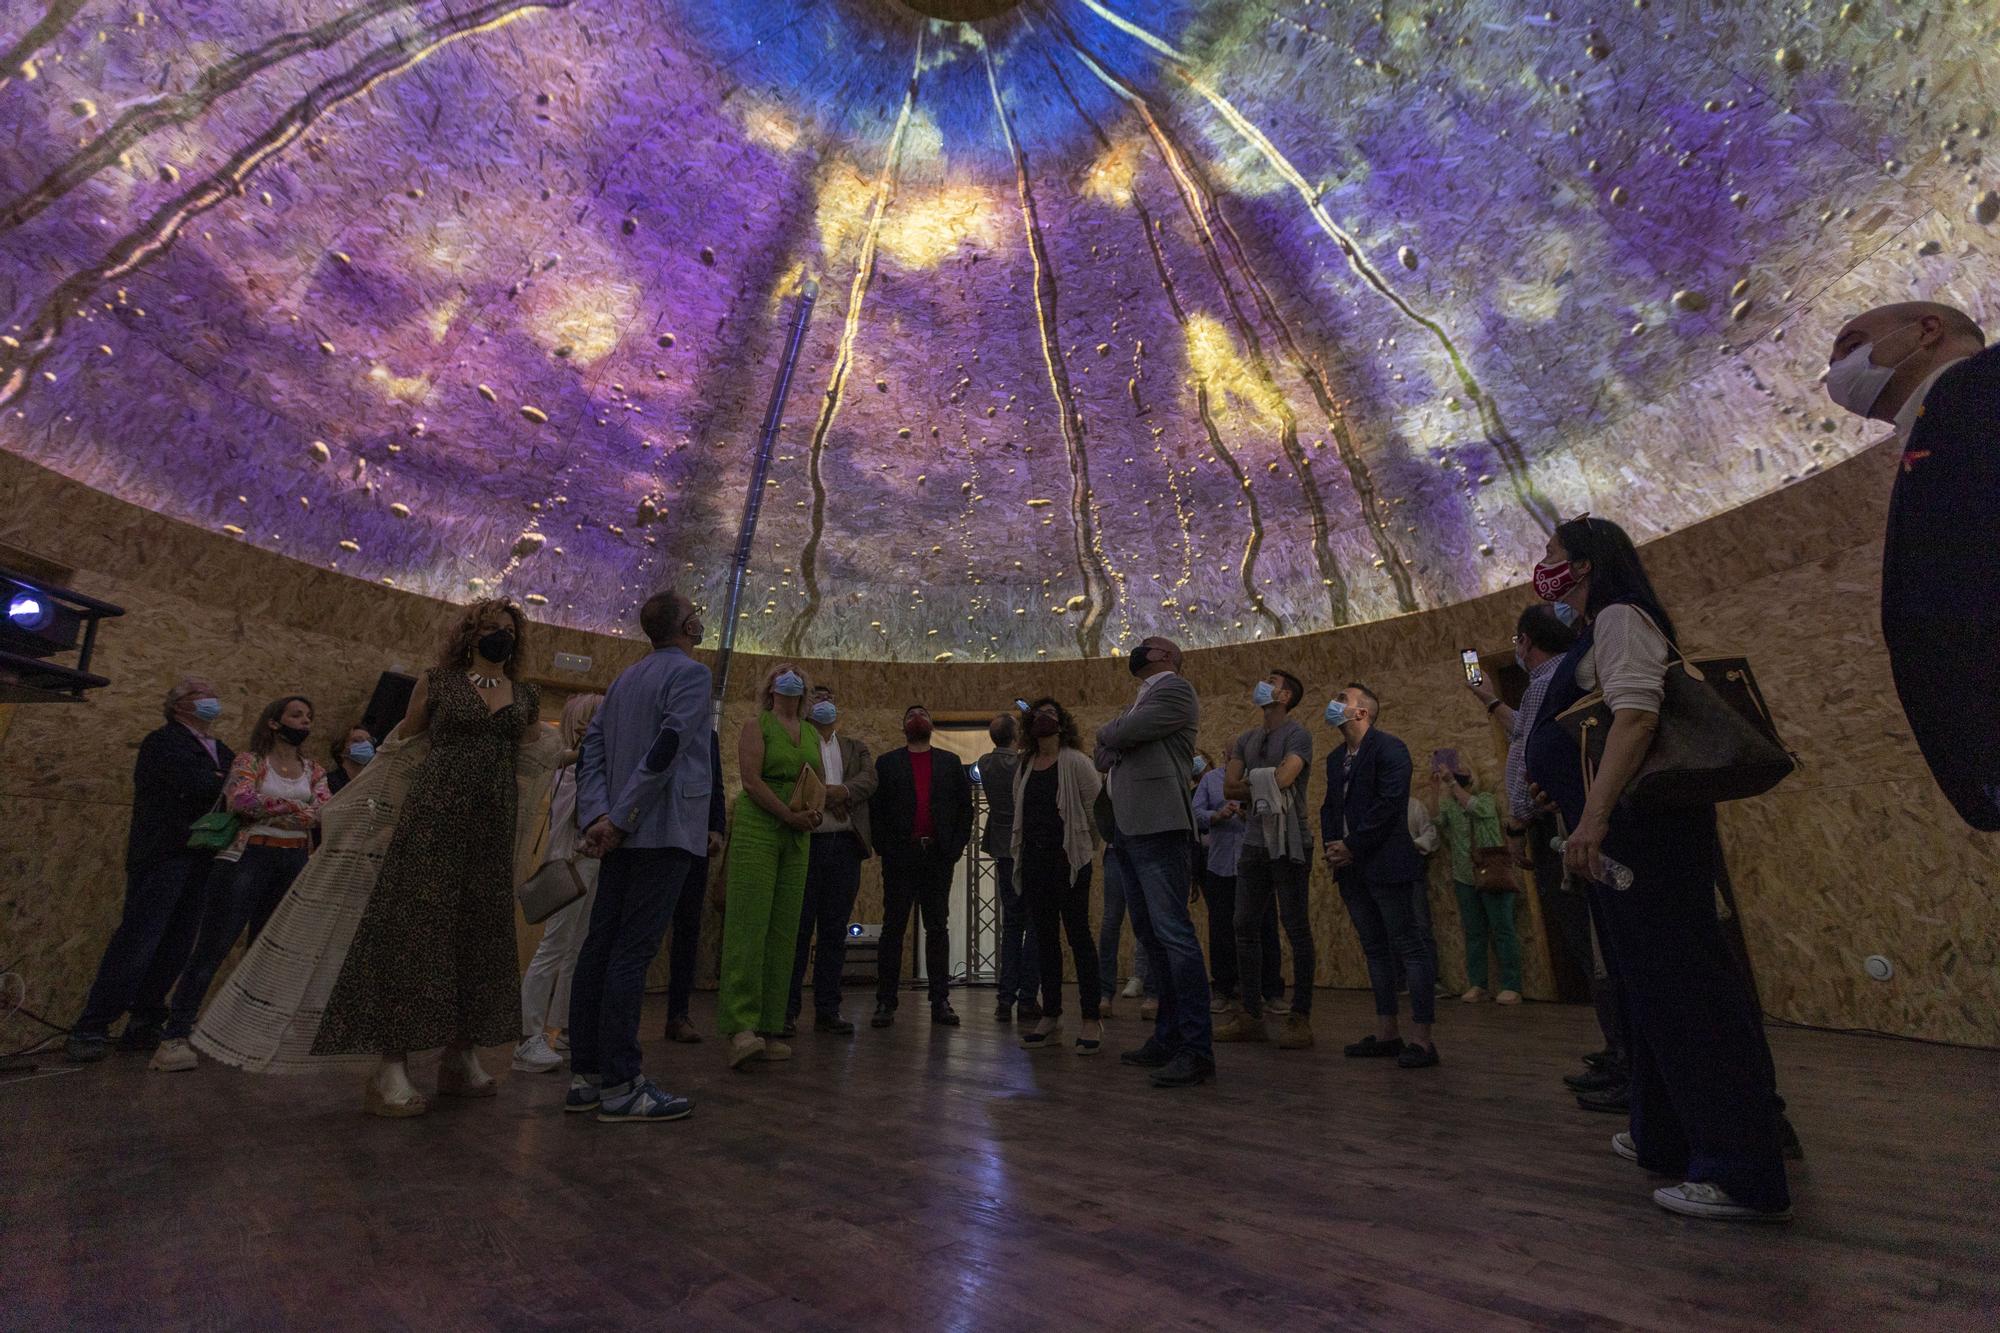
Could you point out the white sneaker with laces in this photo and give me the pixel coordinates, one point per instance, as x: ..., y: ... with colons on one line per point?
x: 1278, y: 1005
x: 1698, y: 1198
x: 1622, y: 1144
x: 534, y: 1056
x: 1133, y: 988
x: 174, y: 1056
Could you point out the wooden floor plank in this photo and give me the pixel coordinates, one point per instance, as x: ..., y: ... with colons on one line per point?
x: 928, y: 1178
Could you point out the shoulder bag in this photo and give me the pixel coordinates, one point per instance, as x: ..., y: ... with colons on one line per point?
x: 555, y: 886
x: 1716, y: 740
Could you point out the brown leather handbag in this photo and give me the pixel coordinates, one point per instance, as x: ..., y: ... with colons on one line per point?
x: 1715, y: 741
x: 1493, y: 870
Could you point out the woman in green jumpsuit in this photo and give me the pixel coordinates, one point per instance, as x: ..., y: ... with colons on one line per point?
x: 766, y: 880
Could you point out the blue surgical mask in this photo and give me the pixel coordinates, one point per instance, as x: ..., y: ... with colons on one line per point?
x: 208, y: 709
x: 1200, y: 766
x: 824, y: 712
x: 1564, y: 612
x: 1336, y: 713
x: 1264, y: 695
x: 361, y: 752
x: 790, y: 684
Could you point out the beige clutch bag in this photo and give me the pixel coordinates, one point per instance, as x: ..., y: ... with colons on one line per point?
x: 555, y: 886
x: 809, y: 792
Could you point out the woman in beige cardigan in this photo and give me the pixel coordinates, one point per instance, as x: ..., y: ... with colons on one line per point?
x: 1055, y: 838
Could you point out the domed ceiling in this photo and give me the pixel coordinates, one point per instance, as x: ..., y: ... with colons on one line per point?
x: 1225, y: 320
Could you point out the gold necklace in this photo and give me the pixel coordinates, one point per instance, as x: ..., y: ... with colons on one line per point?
x: 483, y: 682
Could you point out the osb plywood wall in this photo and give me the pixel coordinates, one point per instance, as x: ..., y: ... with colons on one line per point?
x: 1855, y: 855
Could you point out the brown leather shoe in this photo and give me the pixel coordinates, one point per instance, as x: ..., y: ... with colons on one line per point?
x: 1149, y: 1009
x: 1298, y: 1033
x: 1240, y: 1026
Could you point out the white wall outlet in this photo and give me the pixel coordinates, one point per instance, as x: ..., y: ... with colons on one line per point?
x: 575, y: 663
x: 1878, y: 967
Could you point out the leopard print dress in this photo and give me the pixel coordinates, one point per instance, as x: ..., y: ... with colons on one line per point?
x: 433, y: 959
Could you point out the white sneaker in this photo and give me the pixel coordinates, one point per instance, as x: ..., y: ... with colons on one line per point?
x: 743, y: 1048
x: 1700, y: 1199
x: 1475, y: 995
x: 1507, y: 997
x: 561, y: 1044
x: 534, y: 1056
x: 1133, y: 988
x: 1622, y: 1144
x: 1222, y: 1004
x: 174, y: 1056
x: 1279, y: 1006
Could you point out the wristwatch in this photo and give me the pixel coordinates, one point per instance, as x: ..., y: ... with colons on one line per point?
x: 1495, y: 704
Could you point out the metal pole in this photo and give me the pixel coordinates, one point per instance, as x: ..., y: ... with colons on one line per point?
x: 753, y: 502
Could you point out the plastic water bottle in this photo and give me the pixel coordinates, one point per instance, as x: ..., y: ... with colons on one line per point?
x: 1616, y: 874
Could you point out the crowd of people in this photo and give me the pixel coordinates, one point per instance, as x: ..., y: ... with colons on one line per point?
x: 397, y: 933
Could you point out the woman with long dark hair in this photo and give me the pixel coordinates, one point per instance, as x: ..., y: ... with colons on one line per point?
x: 1055, y: 837
x: 1704, y: 1098
x: 276, y: 793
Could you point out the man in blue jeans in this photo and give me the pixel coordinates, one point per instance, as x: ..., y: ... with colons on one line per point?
x: 1148, y: 753
x: 1365, y: 824
x: 643, y: 786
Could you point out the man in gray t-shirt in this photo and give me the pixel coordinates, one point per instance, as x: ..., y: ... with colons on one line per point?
x: 1275, y: 860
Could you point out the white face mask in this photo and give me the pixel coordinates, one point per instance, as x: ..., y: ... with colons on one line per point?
x: 1854, y: 382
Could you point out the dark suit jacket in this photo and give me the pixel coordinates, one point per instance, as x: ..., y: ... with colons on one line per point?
x: 174, y: 783
x: 895, y: 804
x: 718, y: 809
x: 1376, y: 799
x: 1940, y: 570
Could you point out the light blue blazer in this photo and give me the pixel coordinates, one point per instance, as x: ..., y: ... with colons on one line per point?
x: 645, y: 759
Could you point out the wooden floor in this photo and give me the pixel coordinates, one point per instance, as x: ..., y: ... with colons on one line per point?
x: 929, y: 1179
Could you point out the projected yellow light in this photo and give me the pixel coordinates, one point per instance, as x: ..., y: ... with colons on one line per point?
x: 1221, y: 365
x: 1109, y: 179
x: 586, y: 318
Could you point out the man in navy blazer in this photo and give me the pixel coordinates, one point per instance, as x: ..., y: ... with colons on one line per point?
x: 1365, y: 824
x: 643, y: 796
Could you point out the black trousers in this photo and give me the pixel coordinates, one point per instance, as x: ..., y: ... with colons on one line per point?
x: 636, y: 892
x: 686, y: 942
x: 1568, y: 912
x: 1062, y: 907
x: 241, y: 894
x: 833, y: 877
x: 1220, y: 890
x: 915, y: 880
x: 1260, y: 878
x: 164, y: 902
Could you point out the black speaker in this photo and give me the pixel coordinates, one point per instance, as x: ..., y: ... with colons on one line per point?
x: 388, y: 704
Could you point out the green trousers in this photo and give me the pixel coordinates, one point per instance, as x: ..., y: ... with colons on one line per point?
x: 1488, y: 918
x: 760, y: 921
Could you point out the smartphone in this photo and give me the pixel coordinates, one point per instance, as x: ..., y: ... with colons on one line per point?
x: 1444, y: 759
x: 1473, y: 675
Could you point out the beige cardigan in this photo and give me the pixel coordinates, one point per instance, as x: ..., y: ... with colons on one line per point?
x: 1077, y: 785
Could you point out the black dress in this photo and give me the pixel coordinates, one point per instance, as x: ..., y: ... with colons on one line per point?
x: 433, y: 960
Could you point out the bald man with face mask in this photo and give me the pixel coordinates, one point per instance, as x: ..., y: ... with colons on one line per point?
x: 1925, y: 369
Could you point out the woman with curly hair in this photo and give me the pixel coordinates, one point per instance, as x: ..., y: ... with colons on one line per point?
x: 399, y: 935
x: 1055, y: 838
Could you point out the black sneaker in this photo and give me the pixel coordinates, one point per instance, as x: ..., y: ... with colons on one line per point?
x: 1185, y: 1070
x: 1030, y: 1012
x: 837, y: 1025
x: 885, y: 1014
x: 944, y: 1015
x: 1150, y: 1056
x: 139, y: 1039
x: 1594, y: 1080
x: 1613, y: 1101
x: 1371, y: 1048
x: 1417, y: 1057
x: 85, y: 1048
x: 1003, y: 1012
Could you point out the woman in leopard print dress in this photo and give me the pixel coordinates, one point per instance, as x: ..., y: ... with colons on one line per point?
x: 433, y: 960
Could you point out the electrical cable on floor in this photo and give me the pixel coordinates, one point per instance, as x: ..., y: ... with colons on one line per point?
x: 1797, y: 1026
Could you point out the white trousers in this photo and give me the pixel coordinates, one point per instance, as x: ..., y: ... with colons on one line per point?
x: 545, y: 985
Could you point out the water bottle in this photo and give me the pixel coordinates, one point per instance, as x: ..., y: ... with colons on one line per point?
x: 1616, y: 874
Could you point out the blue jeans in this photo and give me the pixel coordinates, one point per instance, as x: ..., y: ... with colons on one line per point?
x: 1385, y: 921
x: 1155, y: 866
x: 241, y: 894
x: 1020, y: 950
x: 833, y: 877
x: 163, y: 910
x: 1108, y: 931
x: 636, y: 893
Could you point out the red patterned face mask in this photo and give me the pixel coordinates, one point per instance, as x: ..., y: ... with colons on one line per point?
x: 1552, y: 581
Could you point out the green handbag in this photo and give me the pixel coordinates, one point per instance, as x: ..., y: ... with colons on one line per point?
x: 214, y: 831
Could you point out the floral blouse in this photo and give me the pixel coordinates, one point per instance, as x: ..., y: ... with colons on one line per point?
x: 241, y: 797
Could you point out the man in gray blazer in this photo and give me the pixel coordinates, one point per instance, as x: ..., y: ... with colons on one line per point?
x: 1148, y: 753
x: 642, y: 799
x: 833, y: 867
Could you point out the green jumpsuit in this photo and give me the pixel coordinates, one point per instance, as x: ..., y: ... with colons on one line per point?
x: 767, y: 887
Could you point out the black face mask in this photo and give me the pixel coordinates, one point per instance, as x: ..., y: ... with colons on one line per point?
x: 295, y: 735
x: 1044, y: 726
x: 1140, y: 658
x: 497, y: 646
x: 1464, y: 779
